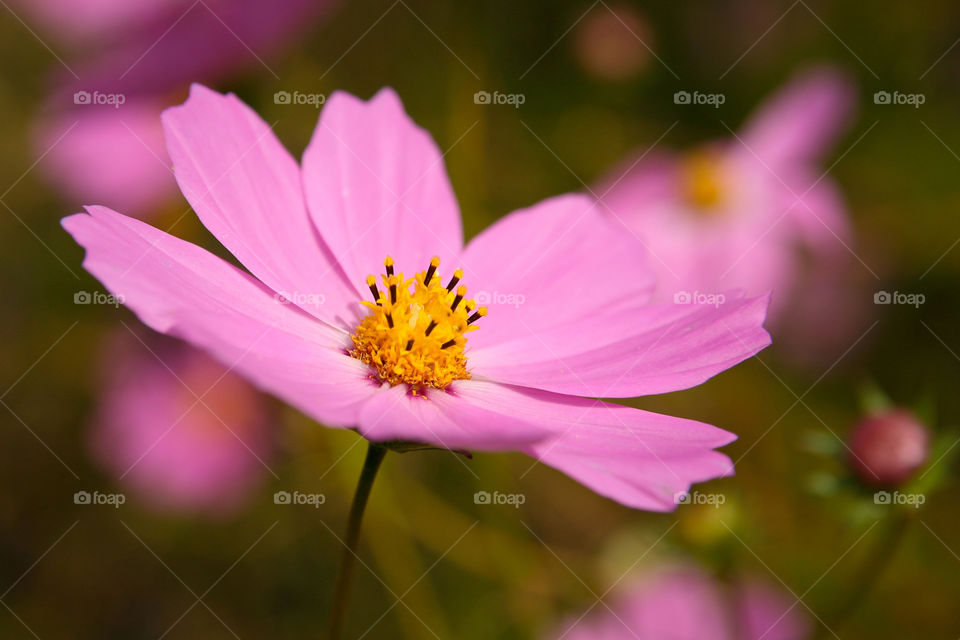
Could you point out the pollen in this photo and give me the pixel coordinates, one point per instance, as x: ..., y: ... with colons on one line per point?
x: 415, y: 330
x: 704, y: 182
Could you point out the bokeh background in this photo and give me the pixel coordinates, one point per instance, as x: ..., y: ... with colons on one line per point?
x: 436, y: 563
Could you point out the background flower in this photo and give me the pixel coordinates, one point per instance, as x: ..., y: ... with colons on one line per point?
x: 183, y: 433
x: 756, y: 211
x: 452, y: 559
x: 144, y: 57
x: 683, y: 602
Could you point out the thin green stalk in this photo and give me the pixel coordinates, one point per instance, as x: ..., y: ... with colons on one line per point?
x: 869, y: 574
x: 371, y: 465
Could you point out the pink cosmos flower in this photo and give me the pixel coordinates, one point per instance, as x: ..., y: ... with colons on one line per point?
x: 561, y: 304
x: 146, y: 53
x: 684, y: 603
x: 753, y: 212
x: 175, y: 452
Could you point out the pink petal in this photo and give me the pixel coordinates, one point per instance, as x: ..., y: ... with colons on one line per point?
x: 684, y: 602
x: 180, y: 289
x: 766, y: 613
x: 640, y: 183
x: 803, y: 119
x: 246, y: 189
x: 642, y: 351
x: 817, y: 210
x: 76, y: 20
x: 679, y: 603
x: 467, y: 416
x: 196, y: 42
x: 376, y: 186
x: 550, y: 265
x: 638, y: 458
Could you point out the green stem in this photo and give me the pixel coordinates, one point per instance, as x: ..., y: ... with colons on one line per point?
x: 869, y: 573
x: 371, y: 465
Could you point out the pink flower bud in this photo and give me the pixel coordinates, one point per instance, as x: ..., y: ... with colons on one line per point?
x: 887, y: 448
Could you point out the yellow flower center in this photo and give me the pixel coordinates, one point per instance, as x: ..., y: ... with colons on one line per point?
x: 704, y: 183
x: 415, y: 330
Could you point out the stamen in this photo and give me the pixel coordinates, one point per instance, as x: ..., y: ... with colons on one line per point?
x: 434, y: 263
x: 372, y: 283
x: 479, y: 313
x: 462, y: 291
x: 455, y: 279
x: 415, y: 330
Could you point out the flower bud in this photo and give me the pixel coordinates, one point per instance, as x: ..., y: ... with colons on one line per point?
x: 887, y: 448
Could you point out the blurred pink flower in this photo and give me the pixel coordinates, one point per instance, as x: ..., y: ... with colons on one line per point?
x: 104, y: 154
x: 176, y: 452
x: 754, y: 212
x: 684, y: 603
x: 89, y: 21
x: 143, y: 55
x: 569, y: 313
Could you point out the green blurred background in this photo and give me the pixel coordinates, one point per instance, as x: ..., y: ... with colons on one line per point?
x: 459, y: 569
